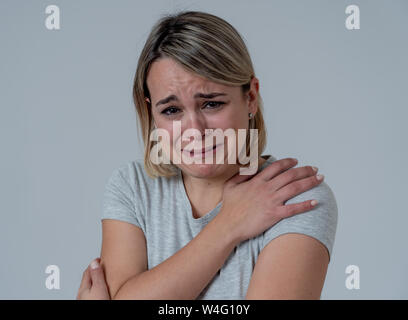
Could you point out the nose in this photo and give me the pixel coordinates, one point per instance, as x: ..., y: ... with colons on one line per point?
x: 196, y: 124
x: 196, y: 121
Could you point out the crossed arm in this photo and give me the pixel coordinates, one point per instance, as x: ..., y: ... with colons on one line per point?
x: 292, y: 266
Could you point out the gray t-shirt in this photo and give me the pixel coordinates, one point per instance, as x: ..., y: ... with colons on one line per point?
x: 161, y: 208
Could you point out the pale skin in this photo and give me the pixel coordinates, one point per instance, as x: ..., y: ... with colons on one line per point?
x: 203, y: 183
x: 292, y: 266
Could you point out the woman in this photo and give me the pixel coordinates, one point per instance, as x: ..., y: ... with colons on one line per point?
x: 205, y: 231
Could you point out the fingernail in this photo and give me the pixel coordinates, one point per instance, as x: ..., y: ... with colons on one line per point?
x: 319, y: 177
x: 313, y: 202
x: 314, y: 169
x: 94, y: 264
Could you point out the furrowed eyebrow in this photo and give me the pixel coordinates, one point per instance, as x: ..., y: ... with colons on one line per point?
x: 209, y: 95
x: 197, y: 95
x: 167, y: 100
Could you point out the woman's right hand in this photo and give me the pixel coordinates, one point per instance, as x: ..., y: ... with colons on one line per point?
x: 93, y: 285
x: 254, y: 203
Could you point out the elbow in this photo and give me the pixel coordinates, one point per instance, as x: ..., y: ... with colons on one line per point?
x: 120, y: 294
x: 126, y: 292
x: 116, y: 297
x: 126, y: 296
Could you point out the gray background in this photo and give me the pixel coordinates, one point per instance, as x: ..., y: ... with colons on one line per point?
x: 334, y: 98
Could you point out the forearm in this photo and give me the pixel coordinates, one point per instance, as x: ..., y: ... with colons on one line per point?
x: 185, y: 274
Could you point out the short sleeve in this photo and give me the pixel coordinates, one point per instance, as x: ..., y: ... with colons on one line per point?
x: 120, y: 201
x: 319, y: 223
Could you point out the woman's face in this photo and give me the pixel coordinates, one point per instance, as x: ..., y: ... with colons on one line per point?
x: 190, y: 109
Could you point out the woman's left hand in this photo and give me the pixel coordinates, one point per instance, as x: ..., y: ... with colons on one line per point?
x: 93, y: 285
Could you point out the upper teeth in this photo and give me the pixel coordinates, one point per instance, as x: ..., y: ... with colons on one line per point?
x: 201, y: 150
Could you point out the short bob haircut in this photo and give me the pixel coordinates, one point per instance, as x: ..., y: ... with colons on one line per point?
x: 205, y: 45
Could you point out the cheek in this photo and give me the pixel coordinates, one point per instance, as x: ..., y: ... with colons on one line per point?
x: 236, y: 116
x: 167, y: 126
x: 235, y: 120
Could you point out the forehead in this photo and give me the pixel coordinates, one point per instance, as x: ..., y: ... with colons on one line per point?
x: 167, y: 76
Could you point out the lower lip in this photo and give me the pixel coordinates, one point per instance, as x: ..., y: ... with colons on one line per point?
x: 198, y: 154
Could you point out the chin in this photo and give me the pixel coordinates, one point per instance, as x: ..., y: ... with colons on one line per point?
x: 204, y: 170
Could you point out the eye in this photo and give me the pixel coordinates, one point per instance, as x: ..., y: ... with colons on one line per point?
x: 211, y: 105
x: 168, y: 110
x: 214, y: 104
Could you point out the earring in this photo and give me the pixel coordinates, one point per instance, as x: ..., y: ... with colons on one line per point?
x: 250, y: 115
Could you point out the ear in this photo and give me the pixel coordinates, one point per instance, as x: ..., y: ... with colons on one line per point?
x: 252, y: 96
x: 147, y: 100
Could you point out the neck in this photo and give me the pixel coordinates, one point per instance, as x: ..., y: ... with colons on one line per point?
x: 205, y: 194
x: 208, y: 186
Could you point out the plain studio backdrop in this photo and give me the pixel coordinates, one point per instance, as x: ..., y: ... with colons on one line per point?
x: 334, y: 98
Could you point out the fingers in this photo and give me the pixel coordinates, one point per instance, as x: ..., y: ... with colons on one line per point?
x: 97, y: 275
x: 239, y: 178
x: 290, y: 176
x: 86, y: 280
x: 297, y: 187
x: 289, y: 210
x: 276, y: 168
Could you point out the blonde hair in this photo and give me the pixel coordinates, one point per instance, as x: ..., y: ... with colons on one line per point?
x: 206, y: 45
